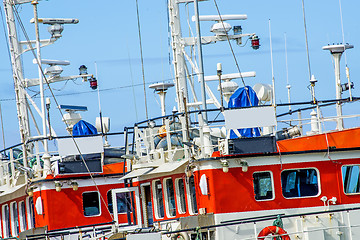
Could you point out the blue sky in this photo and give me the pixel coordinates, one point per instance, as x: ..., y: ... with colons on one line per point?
x: 108, y: 35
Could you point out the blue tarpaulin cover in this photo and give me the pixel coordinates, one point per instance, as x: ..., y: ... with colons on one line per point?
x: 242, y: 97
x: 83, y: 128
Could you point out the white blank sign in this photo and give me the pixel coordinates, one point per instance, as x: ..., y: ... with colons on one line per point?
x: 86, y: 145
x: 250, y: 117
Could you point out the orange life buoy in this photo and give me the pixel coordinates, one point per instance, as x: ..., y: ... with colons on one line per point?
x: 274, y: 230
x: 162, y: 131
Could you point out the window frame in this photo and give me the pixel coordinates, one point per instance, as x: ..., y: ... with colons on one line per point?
x: 29, y: 213
x: 188, y: 193
x: 154, y: 196
x: 342, y: 178
x: 99, y: 200
x: 178, y: 196
x: 14, y: 230
x: 22, y: 218
x: 318, y: 182
x: 272, y: 186
x: 5, y: 224
x: 167, y: 203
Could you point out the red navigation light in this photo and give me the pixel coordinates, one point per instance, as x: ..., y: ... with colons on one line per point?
x: 93, y: 83
x: 255, y: 42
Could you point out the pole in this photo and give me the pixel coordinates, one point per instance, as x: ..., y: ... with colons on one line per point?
x: 201, y: 67
x: 46, y: 155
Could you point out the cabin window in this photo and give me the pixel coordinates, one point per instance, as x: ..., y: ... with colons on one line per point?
x: 91, y: 204
x: 170, y: 197
x: 158, y: 196
x: 30, y: 212
x: 192, y: 196
x: 14, y: 219
x: 299, y: 183
x: 22, y: 215
x: 121, y: 200
x: 263, y: 186
x: 351, y: 179
x: 6, y: 220
x: 180, y: 195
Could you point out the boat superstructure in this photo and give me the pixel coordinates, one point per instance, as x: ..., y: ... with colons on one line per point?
x: 226, y: 164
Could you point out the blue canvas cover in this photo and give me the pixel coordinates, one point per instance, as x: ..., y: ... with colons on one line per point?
x: 244, y: 97
x: 83, y: 128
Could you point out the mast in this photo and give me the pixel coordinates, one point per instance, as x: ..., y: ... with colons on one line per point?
x: 201, y: 67
x: 179, y: 60
x: 41, y: 81
x: 17, y: 68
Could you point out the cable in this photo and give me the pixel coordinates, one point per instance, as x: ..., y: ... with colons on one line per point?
x: 232, y: 52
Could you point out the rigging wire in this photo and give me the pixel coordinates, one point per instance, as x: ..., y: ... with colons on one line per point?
x: 56, y: 102
x: 141, y: 56
x: 132, y: 85
x: 232, y: 52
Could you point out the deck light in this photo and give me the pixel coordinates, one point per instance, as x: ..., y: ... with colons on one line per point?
x: 188, y: 171
x: 75, y: 186
x: 244, y: 166
x: 225, y: 165
x: 58, y: 186
x: 30, y: 192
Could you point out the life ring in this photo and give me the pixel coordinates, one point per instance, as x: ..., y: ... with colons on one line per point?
x: 162, y: 131
x: 274, y: 230
x: 180, y: 236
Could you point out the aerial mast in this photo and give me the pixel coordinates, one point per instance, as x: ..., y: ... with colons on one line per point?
x: 17, y: 68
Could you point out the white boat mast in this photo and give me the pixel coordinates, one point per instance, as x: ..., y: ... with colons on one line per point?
x: 19, y: 81
x: 181, y: 58
x: 17, y: 48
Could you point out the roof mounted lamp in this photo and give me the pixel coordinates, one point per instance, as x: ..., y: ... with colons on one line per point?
x: 225, y: 165
x: 238, y: 31
x: 255, y: 42
x: 93, y: 83
x: 83, y: 71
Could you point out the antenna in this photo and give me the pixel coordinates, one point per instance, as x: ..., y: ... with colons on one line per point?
x: 288, y: 86
x: 272, y: 66
x: 306, y: 40
x: 346, y: 66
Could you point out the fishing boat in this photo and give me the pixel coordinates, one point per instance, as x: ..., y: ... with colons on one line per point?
x: 230, y: 164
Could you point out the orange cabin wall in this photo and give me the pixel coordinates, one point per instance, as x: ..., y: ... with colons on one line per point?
x: 234, y: 191
x: 64, y: 209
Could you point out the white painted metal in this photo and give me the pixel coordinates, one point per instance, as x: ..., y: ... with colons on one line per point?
x: 135, y: 191
x: 83, y: 145
x: 223, y: 17
x: 336, y: 52
x: 250, y: 117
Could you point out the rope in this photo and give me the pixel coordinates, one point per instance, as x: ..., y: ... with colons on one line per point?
x: 141, y: 56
